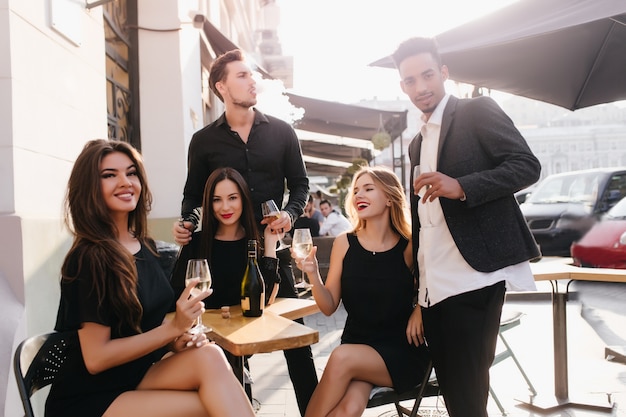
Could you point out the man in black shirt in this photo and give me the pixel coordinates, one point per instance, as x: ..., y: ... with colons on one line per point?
x: 266, y: 151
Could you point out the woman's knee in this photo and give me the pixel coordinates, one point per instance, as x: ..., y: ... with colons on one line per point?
x: 210, y: 355
x: 340, y: 362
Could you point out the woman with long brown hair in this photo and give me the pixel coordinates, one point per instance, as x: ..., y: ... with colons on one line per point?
x: 126, y: 358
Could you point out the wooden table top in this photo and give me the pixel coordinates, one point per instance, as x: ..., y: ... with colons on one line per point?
x: 274, y: 330
x: 549, y: 270
x: 293, y: 308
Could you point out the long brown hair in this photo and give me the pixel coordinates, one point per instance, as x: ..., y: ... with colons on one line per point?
x: 96, y: 245
x: 210, y: 222
x: 393, y: 190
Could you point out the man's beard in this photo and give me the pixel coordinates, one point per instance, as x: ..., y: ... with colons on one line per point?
x: 246, y: 104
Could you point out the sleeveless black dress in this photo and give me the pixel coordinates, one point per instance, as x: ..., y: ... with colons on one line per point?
x: 377, y: 293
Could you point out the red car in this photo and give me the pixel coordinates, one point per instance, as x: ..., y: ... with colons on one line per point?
x: 604, y: 245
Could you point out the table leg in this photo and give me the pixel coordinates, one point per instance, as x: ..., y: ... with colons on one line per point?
x: 238, y: 365
x: 561, y: 397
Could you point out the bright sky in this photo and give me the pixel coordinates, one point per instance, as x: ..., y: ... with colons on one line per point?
x: 333, y: 41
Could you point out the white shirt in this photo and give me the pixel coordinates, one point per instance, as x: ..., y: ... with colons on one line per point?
x: 335, y: 224
x: 443, y: 272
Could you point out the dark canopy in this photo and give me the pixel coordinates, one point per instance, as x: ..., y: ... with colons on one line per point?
x: 571, y: 53
x: 347, y: 120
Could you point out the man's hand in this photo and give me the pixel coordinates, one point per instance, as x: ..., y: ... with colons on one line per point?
x: 280, y: 225
x: 438, y: 185
x: 182, y: 231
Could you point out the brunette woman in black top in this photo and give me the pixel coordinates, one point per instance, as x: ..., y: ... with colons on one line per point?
x: 114, y: 298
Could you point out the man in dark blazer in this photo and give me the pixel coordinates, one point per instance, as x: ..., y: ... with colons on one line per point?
x: 470, y: 238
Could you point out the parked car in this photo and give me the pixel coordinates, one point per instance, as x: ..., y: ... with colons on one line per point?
x: 565, y: 206
x: 604, y: 245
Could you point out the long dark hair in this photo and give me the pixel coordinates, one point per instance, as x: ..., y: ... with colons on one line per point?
x: 210, y: 222
x: 96, y: 244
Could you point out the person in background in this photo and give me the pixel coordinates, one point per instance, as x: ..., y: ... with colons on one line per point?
x: 334, y: 222
x: 371, y: 274
x: 266, y: 152
x: 114, y: 297
x: 471, y: 239
x: 311, y: 211
x: 305, y: 222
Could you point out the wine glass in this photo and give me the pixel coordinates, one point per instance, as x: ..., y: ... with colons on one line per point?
x: 271, y: 212
x: 302, y: 245
x: 416, y: 173
x: 198, y: 269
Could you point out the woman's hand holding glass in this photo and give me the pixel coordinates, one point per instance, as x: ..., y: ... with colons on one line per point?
x: 188, y: 308
x: 199, y: 275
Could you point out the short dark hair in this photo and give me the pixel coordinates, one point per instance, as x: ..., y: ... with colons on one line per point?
x: 326, y: 202
x: 218, y: 71
x: 415, y: 46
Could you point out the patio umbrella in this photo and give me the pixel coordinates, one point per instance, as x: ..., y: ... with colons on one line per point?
x: 571, y: 53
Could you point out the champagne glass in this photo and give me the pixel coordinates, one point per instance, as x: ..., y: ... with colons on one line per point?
x: 198, y: 269
x: 271, y: 212
x: 416, y: 173
x: 302, y: 245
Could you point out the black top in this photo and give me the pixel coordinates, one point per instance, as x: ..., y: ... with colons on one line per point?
x: 75, y: 392
x: 377, y: 293
x: 304, y: 222
x: 271, y: 156
x: 227, y: 264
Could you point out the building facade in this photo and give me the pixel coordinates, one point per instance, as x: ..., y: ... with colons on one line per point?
x: 71, y: 71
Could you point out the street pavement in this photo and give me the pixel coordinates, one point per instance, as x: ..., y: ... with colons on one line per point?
x: 596, y: 319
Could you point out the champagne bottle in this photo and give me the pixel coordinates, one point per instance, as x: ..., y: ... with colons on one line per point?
x: 252, y: 285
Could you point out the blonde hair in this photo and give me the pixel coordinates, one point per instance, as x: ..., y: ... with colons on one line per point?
x: 393, y: 190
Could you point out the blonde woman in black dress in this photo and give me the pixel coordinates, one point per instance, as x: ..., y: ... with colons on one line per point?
x: 371, y: 273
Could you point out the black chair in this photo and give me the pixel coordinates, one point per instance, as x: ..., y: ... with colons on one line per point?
x: 385, y: 395
x: 37, y: 361
x: 429, y: 386
x: 508, y: 320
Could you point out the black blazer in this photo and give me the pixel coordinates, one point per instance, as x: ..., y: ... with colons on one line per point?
x: 480, y: 147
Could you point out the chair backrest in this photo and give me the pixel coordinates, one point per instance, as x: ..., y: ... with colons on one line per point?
x: 37, y: 361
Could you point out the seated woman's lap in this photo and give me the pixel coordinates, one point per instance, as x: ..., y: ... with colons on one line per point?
x: 361, y: 362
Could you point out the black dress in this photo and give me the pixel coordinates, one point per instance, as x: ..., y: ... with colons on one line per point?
x: 75, y: 392
x: 227, y: 264
x: 377, y: 293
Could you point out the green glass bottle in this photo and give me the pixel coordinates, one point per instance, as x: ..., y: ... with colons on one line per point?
x: 252, y: 285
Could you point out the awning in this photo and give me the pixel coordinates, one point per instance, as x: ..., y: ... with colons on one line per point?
x: 330, y: 155
x: 333, y: 118
x: 221, y: 44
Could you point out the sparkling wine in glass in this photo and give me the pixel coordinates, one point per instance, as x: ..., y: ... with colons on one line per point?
x: 302, y: 244
x: 271, y: 212
x: 198, y: 269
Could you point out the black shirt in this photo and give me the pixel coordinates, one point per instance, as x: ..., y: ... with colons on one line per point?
x: 271, y: 156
